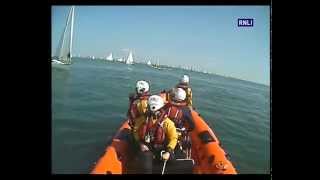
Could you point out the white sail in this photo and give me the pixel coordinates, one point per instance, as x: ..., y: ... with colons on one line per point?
x: 149, y: 63
x: 110, y: 58
x: 129, y: 59
x: 64, y: 51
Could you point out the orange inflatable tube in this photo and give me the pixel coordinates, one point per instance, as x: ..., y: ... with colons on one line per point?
x: 210, y: 158
x: 113, y: 160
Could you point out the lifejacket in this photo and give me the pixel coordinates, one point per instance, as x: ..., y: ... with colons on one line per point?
x: 174, y: 112
x: 153, y: 133
x: 133, y: 111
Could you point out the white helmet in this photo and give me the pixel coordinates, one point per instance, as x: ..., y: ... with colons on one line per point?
x: 142, y: 87
x: 179, y: 94
x: 155, y: 103
x: 184, y: 79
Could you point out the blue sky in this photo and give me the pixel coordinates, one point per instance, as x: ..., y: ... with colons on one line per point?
x: 205, y: 37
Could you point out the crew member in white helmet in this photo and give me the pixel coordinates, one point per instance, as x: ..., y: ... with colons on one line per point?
x: 138, y: 101
x: 154, y: 133
x: 178, y: 111
x: 184, y: 83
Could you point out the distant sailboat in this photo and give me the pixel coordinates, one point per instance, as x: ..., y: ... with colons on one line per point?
x: 64, y: 51
x: 149, y: 63
x: 110, y: 58
x: 157, y: 65
x: 129, y: 59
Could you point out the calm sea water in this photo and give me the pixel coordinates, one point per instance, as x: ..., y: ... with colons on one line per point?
x: 90, y: 101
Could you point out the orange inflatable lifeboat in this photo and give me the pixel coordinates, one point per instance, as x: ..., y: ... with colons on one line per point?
x: 206, y: 152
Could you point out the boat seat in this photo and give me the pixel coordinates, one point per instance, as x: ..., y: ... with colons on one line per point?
x: 180, y: 166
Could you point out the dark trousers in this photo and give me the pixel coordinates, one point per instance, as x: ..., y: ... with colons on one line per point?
x: 146, y: 162
x: 140, y: 162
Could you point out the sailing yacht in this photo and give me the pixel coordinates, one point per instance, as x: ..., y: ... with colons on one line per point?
x: 64, y: 50
x: 157, y: 65
x: 149, y: 63
x: 129, y: 59
x: 110, y: 58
